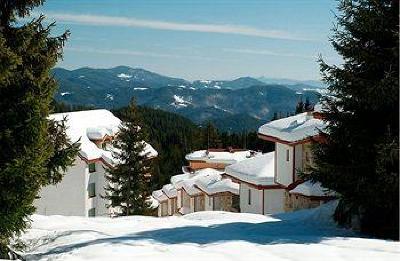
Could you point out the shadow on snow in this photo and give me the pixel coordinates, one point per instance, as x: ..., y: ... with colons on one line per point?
x: 276, y: 232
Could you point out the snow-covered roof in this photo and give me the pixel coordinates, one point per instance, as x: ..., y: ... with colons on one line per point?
x: 189, y: 186
x: 311, y: 189
x: 154, y: 203
x: 87, y: 126
x: 159, y: 195
x: 169, y: 190
x: 215, y: 184
x: 178, y: 180
x: 258, y: 170
x: 188, y: 181
x: 225, y: 157
x: 294, y: 128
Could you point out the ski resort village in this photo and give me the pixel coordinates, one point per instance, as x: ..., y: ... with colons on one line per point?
x: 228, y: 130
x: 227, y: 203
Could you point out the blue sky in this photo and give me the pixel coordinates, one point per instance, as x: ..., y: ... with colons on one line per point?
x: 202, y: 39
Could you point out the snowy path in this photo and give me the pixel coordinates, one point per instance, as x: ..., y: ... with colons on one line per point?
x: 202, y: 236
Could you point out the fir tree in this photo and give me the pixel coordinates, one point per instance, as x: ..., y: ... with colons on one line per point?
x: 307, y: 105
x: 34, y: 151
x: 300, y: 107
x: 359, y: 158
x: 129, y: 185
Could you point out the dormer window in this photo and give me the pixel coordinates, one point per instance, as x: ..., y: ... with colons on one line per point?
x: 287, y: 155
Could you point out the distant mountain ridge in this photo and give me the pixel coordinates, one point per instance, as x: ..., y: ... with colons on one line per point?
x: 235, y: 105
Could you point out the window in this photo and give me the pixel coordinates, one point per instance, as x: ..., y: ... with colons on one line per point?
x: 92, y: 190
x: 287, y: 155
x: 92, y: 212
x: 92, y: 167
x: 249, y: 197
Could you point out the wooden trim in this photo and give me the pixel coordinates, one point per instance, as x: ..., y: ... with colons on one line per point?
x: 273, y: 139
x: 169, y: 197
x: 214, y: 194
x: 95, y: 160
x: 259, y: 187
x: 294, y: 184
x: 290, y: 143
x: 198, y: 194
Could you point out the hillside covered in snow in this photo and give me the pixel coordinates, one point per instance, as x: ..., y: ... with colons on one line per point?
x: 301, y: 235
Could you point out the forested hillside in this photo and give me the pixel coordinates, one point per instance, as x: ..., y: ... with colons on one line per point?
x: 173, y: 136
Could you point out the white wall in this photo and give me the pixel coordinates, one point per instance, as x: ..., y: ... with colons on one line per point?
x: 68, y: 197
x: 256, y: 199
x: 179, y: 199
x: 208, y: 202
x: 274, y: 201
x: 298, y: 159
x: 187, y: 204
x: 284, y: 168
x: 101, y: 209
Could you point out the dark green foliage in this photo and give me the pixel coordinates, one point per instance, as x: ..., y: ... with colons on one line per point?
x: 64, y: 107
x: 361, y: 154
x: 33, y: 150
x: 299, y: 107
x: 304, y: 106
x: 128, y: 187
x: 174, y: 136
x: 236, y: 123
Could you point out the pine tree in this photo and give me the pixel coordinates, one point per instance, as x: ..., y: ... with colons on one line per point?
x: 307, y: 105
x: 359, y: 158
x: 211, y: 136
x: 129, y: 186
x: 34, y: 151
x: 299, y: 107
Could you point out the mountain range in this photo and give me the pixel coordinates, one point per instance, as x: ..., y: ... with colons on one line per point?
x: 235, y: 105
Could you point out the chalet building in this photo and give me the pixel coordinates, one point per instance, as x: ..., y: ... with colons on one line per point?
x: 202, y: 185
x: 162, y: 205
x: 220, y: 194
x: 307, y: 195
x: 189, y: 197
x: 171, y: 193
x: 259, y: 193
x: 268, y: 183
x: 80, y: 191
x: 216, y: 158
x: 292, y: 137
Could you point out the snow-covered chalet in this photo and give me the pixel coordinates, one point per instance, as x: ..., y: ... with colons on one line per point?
x: 80, y: 191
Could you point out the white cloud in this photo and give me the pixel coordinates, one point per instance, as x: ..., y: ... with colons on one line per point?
x: 133, y: 53
x: 268, y: 53
x: 99, y: 20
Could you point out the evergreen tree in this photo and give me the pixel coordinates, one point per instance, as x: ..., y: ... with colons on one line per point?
x: 275, y: 117
x: 129, y: 185
x: 300, y: 107
x: 307, y: 105
x: 211, y: 136
x: 359, y: 158
x: 34, y: 151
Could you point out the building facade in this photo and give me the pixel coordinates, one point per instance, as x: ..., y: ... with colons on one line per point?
x: 81, y: 191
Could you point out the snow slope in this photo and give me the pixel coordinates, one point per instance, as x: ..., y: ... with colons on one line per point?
x: 301, y: 235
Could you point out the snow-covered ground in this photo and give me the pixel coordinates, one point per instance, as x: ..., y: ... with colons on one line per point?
x: 301, y: 235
